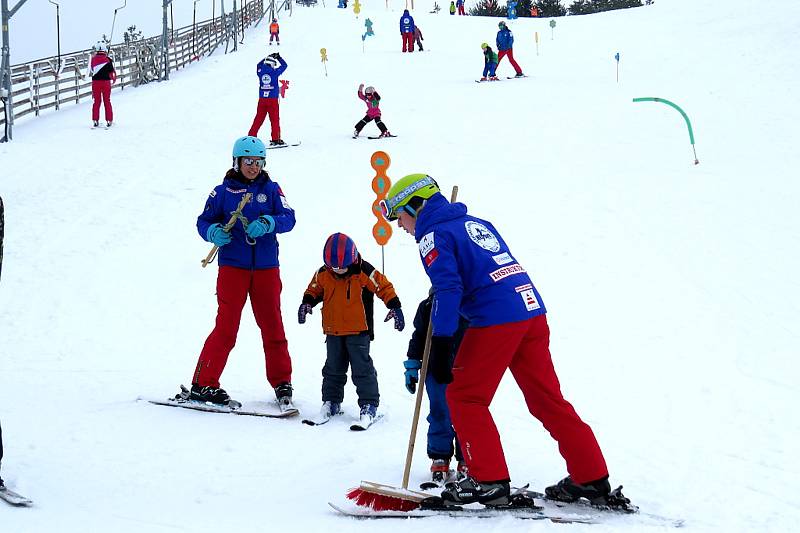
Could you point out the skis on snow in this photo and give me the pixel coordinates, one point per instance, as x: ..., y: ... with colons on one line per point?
x: 381, y: 136
x: 11, y: 497
x: 263, y: 409
x: 285, y: 145
x: 358, y: 425
x: 524, y: 504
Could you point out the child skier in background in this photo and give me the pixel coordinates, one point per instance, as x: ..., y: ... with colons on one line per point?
x: 442, y: 440
x: 453, y: 7
x: 268, y: 71
x: 372, y: 99
x: 418, y: 37
x: 274, y: 30
x: 345, y: 285
x: 489, y: 62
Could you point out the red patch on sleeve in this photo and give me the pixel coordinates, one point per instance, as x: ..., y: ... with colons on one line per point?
x: 431, y: 257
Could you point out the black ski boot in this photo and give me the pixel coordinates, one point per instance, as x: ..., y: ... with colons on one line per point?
x: 468, y: 490
x: 209, y: 394
x: 566, y: 490
x: 283, y: 394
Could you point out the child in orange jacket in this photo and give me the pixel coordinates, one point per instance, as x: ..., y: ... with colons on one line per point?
x: 274, y: 30
x: 346, y: 286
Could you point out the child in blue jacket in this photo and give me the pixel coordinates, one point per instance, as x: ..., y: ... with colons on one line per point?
x: 442, y: 440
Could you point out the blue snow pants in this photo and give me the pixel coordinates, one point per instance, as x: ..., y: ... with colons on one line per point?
x: 441, y: 435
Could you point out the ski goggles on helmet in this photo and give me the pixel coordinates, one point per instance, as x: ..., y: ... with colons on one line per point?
x: 253, y: 161
x: 390, y: 207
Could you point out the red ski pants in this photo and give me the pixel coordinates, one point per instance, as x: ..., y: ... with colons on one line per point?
x: 408, y: 41
x: 510, y: 53
x: 101, y: 90
x: 233, y: 286
x: 267, y: 106
x: 482, y: 359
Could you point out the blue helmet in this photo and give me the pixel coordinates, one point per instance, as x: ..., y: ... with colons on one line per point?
x: 249, y: 146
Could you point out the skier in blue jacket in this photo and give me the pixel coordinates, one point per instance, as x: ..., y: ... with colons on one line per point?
x: 505, y: 43
x: 268, y: 71
x: 248, y: 266
x: 407, y: 31
x: 475, y: 275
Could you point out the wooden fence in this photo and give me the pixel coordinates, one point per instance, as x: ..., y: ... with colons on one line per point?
x: 45, y: 83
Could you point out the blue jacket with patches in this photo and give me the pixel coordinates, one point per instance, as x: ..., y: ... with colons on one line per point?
x: 505, y: 41
x: 472, y: 270
x: 406, y: 23
x: 268, y: 86
x: 268, y: 199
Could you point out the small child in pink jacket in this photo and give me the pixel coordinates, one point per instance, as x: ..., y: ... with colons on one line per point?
x: 372, y: 99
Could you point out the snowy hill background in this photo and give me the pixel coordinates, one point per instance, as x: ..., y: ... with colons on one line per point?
x: 671, y: 288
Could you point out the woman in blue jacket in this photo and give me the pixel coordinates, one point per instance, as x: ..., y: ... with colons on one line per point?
x: 248, y: 266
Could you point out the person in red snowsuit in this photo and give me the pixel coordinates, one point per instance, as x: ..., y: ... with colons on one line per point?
x: 103, y: 77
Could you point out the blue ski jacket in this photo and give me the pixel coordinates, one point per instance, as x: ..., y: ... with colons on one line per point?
x: 268, y: 199
x: 268, y: 78
x: 406, y: 23
x: 505, y: 41
x: 471, y: 269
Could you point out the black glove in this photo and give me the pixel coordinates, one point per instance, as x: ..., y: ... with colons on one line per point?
x: 439, y: 364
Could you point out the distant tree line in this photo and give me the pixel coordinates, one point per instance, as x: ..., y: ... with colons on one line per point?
x: 550, y: 8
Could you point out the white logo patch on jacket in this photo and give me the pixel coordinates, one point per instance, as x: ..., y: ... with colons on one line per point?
x: 284, y: 203
x: 502, y: 259
x: 427, y: 249
x: 481, y: 236
x: 528, y: 296
x: 261, y: 198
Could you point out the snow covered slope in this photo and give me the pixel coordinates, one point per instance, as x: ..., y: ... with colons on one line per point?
x: 671, y: 288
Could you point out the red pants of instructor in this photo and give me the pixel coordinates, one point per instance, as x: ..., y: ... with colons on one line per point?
x: 482, y: 359
x: 267, y: 106
x: 233, y: 287
x: 510, y: 53
x: 101, y: 90
x: 408, y: 41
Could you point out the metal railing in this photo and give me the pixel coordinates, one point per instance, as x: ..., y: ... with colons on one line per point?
x: 49, y: 83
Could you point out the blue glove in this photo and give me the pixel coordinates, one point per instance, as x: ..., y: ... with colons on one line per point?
x: 261, y: 226
x: 399, y: 321
x: 217, y: 235
x: 305, y: 309
x: 412, y: 374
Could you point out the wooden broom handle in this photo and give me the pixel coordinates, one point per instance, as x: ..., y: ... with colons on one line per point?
x: 227, y: 227
x: 423, y: 373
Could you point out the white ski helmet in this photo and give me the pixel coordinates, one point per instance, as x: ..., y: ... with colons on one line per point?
x: 271, y: 61
x: 100, y: 46
x: 369, y: 90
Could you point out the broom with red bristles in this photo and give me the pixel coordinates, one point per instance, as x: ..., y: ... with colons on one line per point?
x: 382, y: 497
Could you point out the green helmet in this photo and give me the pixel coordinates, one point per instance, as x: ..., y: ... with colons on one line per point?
x: 408, y: 193
x: 484, y: 45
